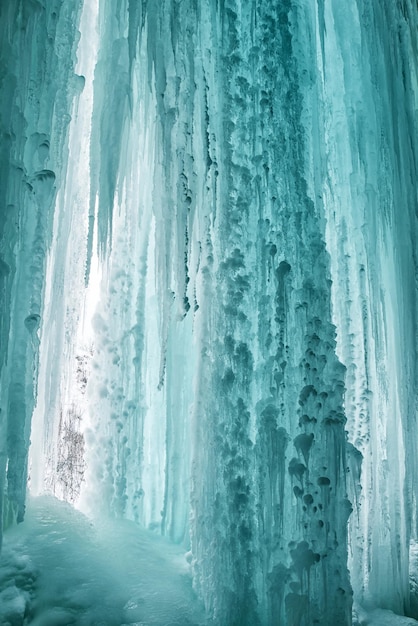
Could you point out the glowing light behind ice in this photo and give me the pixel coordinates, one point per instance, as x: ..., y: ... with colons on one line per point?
x: 68, y: 308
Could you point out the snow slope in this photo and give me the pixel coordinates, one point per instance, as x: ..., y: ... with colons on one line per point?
x: 59, y: 568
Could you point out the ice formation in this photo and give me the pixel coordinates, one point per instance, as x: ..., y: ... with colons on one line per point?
x: 208, y: 278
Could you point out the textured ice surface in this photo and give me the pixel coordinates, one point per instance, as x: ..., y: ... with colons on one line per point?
x: 214, y: 375
x: 37, y: 55
x: 234, y: 184
x: 369, y: 91
x: 59, y: 568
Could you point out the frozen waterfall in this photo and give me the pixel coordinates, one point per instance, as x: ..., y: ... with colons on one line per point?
x: 208, y: 311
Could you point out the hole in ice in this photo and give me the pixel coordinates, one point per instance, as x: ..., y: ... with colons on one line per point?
x: 32, y: 322
x: 303, y: 444
x: 297, y: 491
x: 296, y: 468
x: 323, y: 481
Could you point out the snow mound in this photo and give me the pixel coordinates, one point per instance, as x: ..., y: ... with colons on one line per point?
x: 60, y: 569
x: 380, y: 617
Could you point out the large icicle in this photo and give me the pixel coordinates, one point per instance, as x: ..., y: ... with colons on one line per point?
x: 368, y: 103
x: 37, y: 86
x: 269, y: 531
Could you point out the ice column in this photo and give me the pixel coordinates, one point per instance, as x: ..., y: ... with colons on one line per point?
x: 37, y: 85
x: 367, y: 107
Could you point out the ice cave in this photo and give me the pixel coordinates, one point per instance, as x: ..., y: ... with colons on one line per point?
x: 209, y: 312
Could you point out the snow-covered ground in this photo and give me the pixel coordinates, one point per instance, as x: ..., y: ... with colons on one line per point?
x: 380, y: 617
x: 59, y: 569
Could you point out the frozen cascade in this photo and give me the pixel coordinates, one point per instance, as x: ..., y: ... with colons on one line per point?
x: 371, y: 234
x: 67, y: 350
x: 38, y: 84
x: 208, y: 269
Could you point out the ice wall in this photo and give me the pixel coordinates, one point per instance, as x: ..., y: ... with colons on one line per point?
x: 37, y: 84
x: 227, y: 312
x: 368, y: 104
x: 216, y: 397
x: 269, y: 130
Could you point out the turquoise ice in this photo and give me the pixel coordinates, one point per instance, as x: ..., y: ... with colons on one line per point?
x: 208, y: 279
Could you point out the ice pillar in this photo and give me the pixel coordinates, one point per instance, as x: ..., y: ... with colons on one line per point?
x: 368, y: 103
x: 37, y: 85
